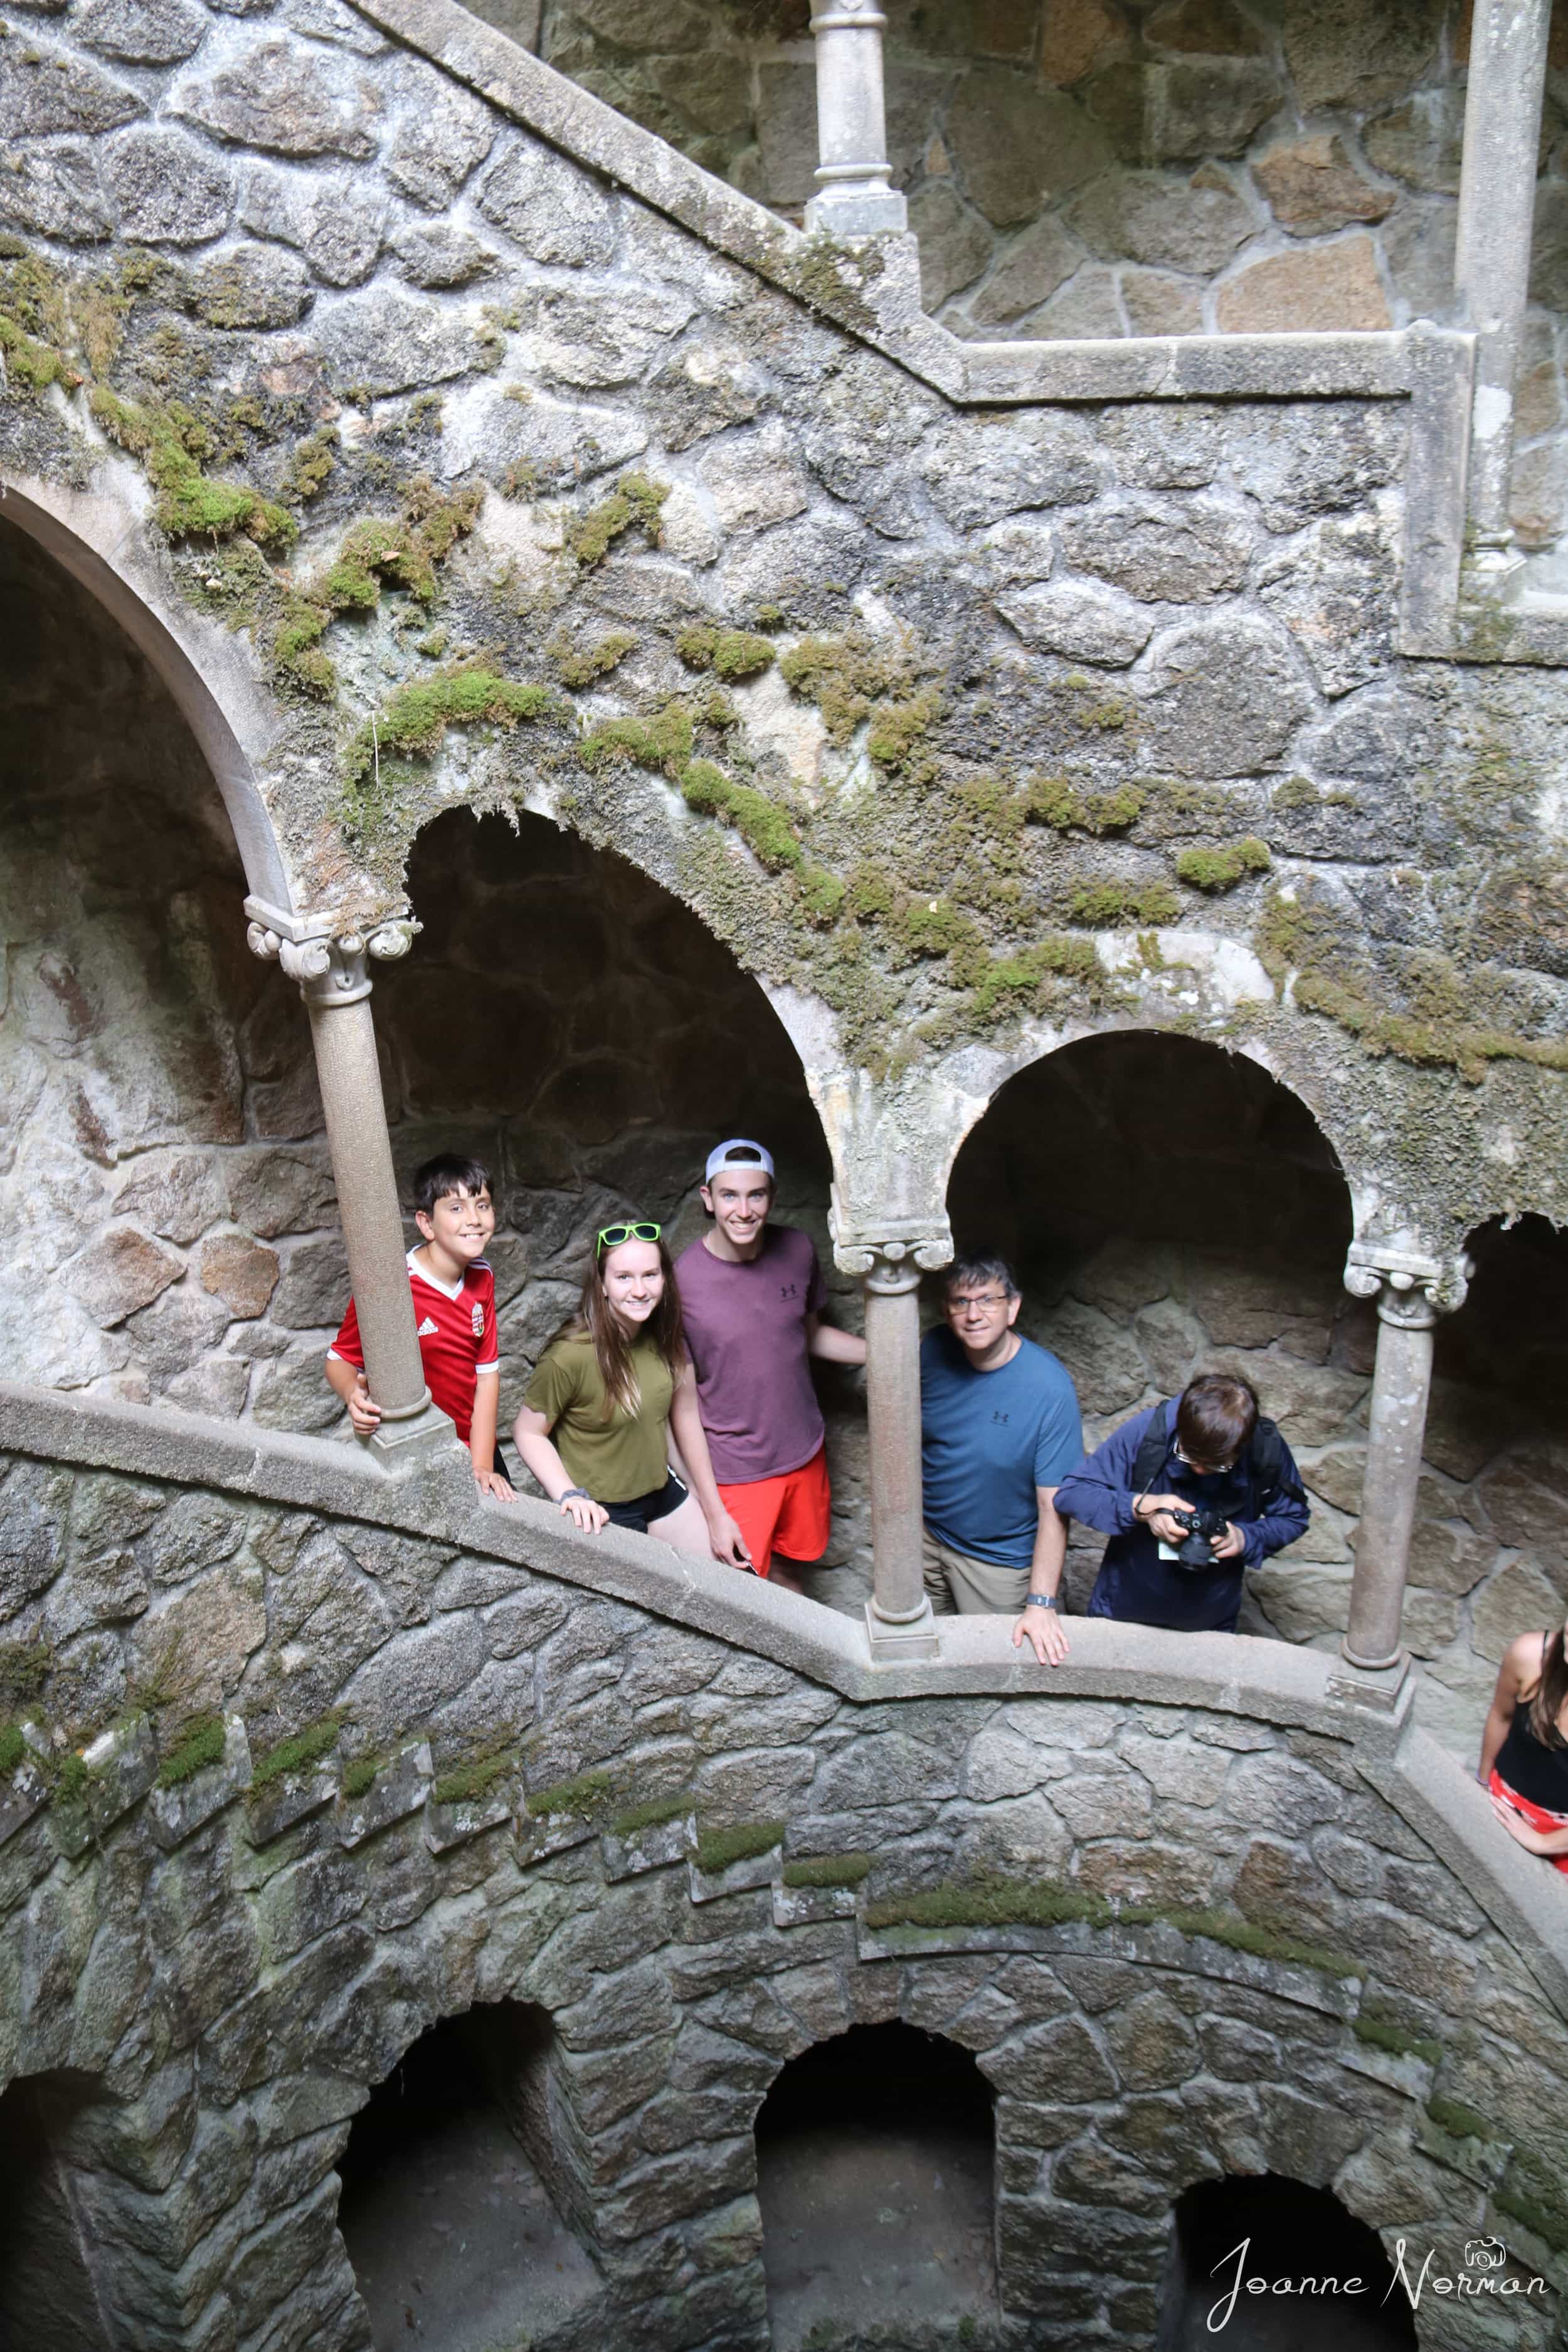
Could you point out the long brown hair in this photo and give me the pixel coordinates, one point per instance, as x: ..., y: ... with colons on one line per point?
x: 1551, y: 1693
x: 597, y: 1321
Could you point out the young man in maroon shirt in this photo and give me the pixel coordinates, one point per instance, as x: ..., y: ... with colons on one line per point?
x: 455, y: 1308
x: 751, y: 1295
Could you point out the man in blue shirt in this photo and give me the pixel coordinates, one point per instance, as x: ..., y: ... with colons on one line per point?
x: 1207, y: 1447
x: 999, y: 1427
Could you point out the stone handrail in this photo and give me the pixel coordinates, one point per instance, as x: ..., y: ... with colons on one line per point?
x: 1272, y: 1682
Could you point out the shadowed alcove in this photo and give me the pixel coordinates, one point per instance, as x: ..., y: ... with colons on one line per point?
x: 1172, y: 1208
x: 48, y: 2299
x: 454, y: 2237
x: 1325, y: 2277
x: 875, y: 2159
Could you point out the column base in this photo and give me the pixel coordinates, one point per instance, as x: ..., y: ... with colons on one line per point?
x: 857, y: 211
x: 896, y: 1646
x: 1377, y: 1689
x: 401, y: 1445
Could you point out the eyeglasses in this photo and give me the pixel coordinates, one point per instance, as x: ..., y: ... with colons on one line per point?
x: 612, y: 1236
x: 957, y: 1306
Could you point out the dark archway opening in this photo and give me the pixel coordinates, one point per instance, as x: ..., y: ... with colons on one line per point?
x: 579, y: 1027
x: 1326, y: 2277
x: 1171, y: 1207
x: 48, y: 2302
x: 455, y: 2240
x: 875, y: 2163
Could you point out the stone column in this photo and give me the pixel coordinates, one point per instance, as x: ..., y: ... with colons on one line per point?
x: 1491, y: 268
x: 853, y: 197
x: 1411, y: 1292
x: 899, y: 1619
x: 333, y: 979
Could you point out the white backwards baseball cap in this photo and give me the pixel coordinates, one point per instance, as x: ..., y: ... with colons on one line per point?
x: 726, y: 1154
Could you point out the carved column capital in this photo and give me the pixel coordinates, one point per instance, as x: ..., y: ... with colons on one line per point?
x: 1412, y: 1291
x: 329, y: 965
x: 891, y: 1255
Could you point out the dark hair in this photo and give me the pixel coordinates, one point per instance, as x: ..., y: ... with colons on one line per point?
x: 1547, y: 1699
x: 597, y: 1321
x: 449, y: 1172
x: 1216, y: 1417
x: 980, y: 1266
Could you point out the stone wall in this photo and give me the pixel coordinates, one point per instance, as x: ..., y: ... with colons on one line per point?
x: 1183, y: 1935
x: 562, y: 1016
x: 1080, y: 168
x: 965, y: 727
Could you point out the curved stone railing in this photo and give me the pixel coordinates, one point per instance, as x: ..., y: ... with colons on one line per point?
x: 303, y: 1758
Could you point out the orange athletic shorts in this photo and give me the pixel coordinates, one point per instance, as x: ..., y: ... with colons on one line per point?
x: 790, y: 1515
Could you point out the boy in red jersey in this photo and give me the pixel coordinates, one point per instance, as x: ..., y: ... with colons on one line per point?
x: 455, y: 1306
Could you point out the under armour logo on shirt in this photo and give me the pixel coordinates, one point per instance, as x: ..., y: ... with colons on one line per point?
x: 789, y: 1290
x: 427, y: 1329
x: 999, y: 1416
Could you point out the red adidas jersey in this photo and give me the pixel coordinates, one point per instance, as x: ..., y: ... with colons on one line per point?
x: 457, y: 1337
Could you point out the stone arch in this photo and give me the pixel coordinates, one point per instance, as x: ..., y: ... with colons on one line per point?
x: 99, y: 537
x: 1304, y: 2241
x: 464, y: 2129
x: 875, y: 2164
x: 1173, y: 1207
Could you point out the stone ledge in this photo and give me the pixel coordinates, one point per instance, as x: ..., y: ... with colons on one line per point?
x: 887, y: 313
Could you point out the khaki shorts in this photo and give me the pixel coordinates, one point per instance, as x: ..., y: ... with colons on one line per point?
x: 969, y: 1587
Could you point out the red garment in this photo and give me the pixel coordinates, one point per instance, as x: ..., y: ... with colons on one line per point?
x: 457, y: 1337
x: 1536, y: 1816
x: 791, y: 1513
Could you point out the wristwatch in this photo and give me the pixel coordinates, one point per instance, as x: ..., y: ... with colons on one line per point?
x: 1039, y: 1600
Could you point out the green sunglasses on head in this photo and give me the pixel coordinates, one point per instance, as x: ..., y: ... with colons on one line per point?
x: 612, y: 1236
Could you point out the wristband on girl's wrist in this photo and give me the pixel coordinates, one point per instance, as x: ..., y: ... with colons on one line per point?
x: 575, y: 1494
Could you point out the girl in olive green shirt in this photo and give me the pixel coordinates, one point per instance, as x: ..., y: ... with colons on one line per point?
x: 595, y: 1425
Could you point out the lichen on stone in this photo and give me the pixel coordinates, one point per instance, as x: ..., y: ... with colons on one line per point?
x: 635, y: 504
x: 578, y: 665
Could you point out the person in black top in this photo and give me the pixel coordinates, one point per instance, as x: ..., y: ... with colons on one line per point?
x: 1524, y: 1747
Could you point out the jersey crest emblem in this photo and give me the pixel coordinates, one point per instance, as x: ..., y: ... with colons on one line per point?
x: 476, y: 1317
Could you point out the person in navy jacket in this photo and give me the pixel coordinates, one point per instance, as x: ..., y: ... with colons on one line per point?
x: 1211, y: 1447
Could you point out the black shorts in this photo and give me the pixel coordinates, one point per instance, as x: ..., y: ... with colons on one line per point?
x: 643, y: 1509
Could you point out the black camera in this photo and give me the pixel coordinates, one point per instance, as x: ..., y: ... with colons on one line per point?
x: 1196, y: 1547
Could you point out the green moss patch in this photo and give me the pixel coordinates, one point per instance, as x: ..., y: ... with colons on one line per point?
x: 30, y: 367
x: 829, y: 1870
x: 24, y: 1667
x: 718, y: 1849
x: 470, y: 1782
x: 1118, y: 906
x: 1222, y: 869
x: 1003, y: 985
x: 662, y: 743
x: 633, y: 505
x: 652, y: 1813
x: 583, y: 1794
x: 171, y: 444
x: 13, y: 1748
x: 579, y: 666
x: 728, y: 653
x: 1381, y: 2032
x: 1005, y: 1902
x: 844, y: 676
x: 297, y: 1753
x: 762, y: 826
x: 311, y: 465
x: 72, y: 1778
x: 416, y: 719
x: 1459, y: 2121
x: 360, y: 1774
x: 199, y: 1744
x: 898, y: 729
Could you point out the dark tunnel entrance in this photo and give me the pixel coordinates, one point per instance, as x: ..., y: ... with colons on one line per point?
x: 1325, y: 2277
x: 454, y: 2237
x: 875, y: 2161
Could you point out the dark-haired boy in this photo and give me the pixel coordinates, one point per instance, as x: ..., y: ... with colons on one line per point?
x: 455, y: 1311
x: 1207, y: 1447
